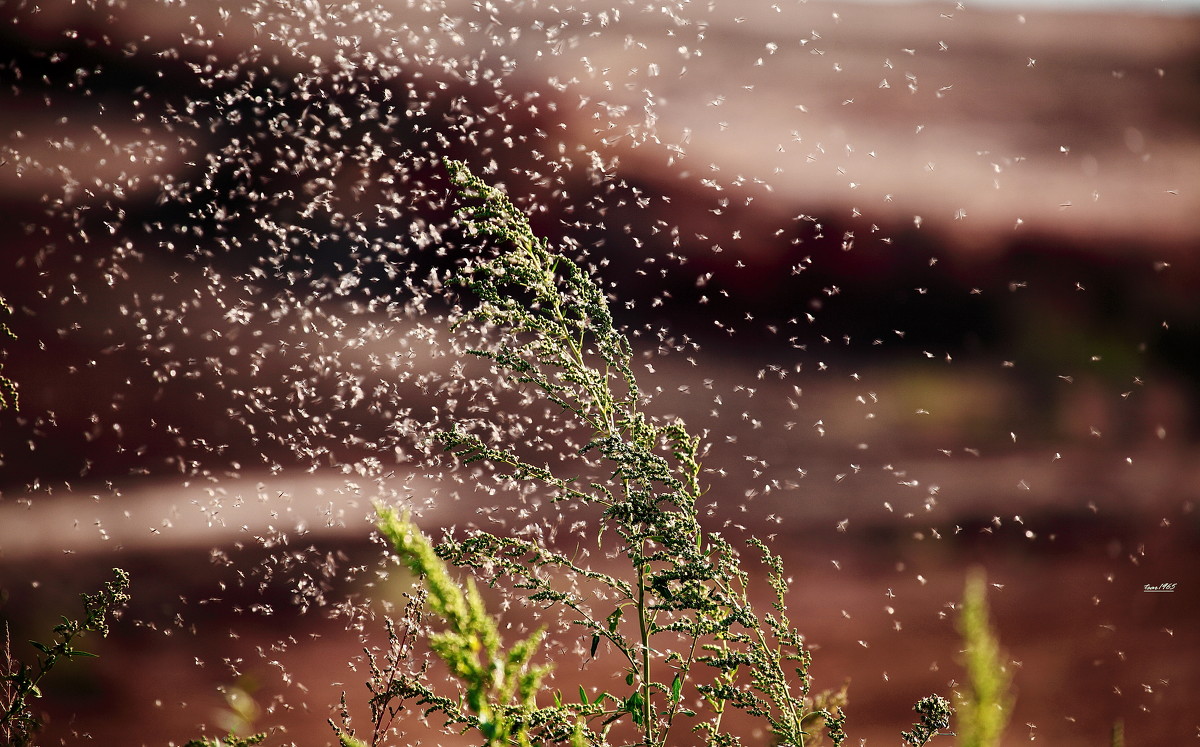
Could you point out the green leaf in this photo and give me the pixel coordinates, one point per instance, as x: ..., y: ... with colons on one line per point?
x: 634, y: 706
x: 41, y: 647
x: 583, y: 698
x: 676, y: 689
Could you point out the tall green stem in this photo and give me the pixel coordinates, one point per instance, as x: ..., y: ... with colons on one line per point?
x: 644, y: 634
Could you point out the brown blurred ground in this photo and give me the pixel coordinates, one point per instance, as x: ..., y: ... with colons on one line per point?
x: 1085, y: 128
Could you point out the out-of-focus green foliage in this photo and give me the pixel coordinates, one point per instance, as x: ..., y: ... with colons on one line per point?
x: 985, y: 704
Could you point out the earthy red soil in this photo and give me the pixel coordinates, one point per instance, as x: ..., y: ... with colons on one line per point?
x: 1042, y: 150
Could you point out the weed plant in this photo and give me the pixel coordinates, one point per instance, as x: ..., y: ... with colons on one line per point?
x: 985, y: 703
x: 693, y: 647
x: 20, y: 683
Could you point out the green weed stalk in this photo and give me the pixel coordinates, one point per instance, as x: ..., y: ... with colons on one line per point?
x: 680, y: 624
x: 20, y: 683
x: 985, y: 704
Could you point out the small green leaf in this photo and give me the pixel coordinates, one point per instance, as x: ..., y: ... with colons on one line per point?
x: 634, y: 706
x: 595, y: 644
x: 614, y: 619
x: 629, y: 679
x: 583, y: 698
x: 40, y: 647
x: 676, y: 689
x: 77, y: 652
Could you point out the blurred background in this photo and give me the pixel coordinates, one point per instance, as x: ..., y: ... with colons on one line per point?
x: 924, y: 274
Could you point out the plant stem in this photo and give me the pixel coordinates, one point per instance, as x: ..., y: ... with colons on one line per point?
x: 644, y: 633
